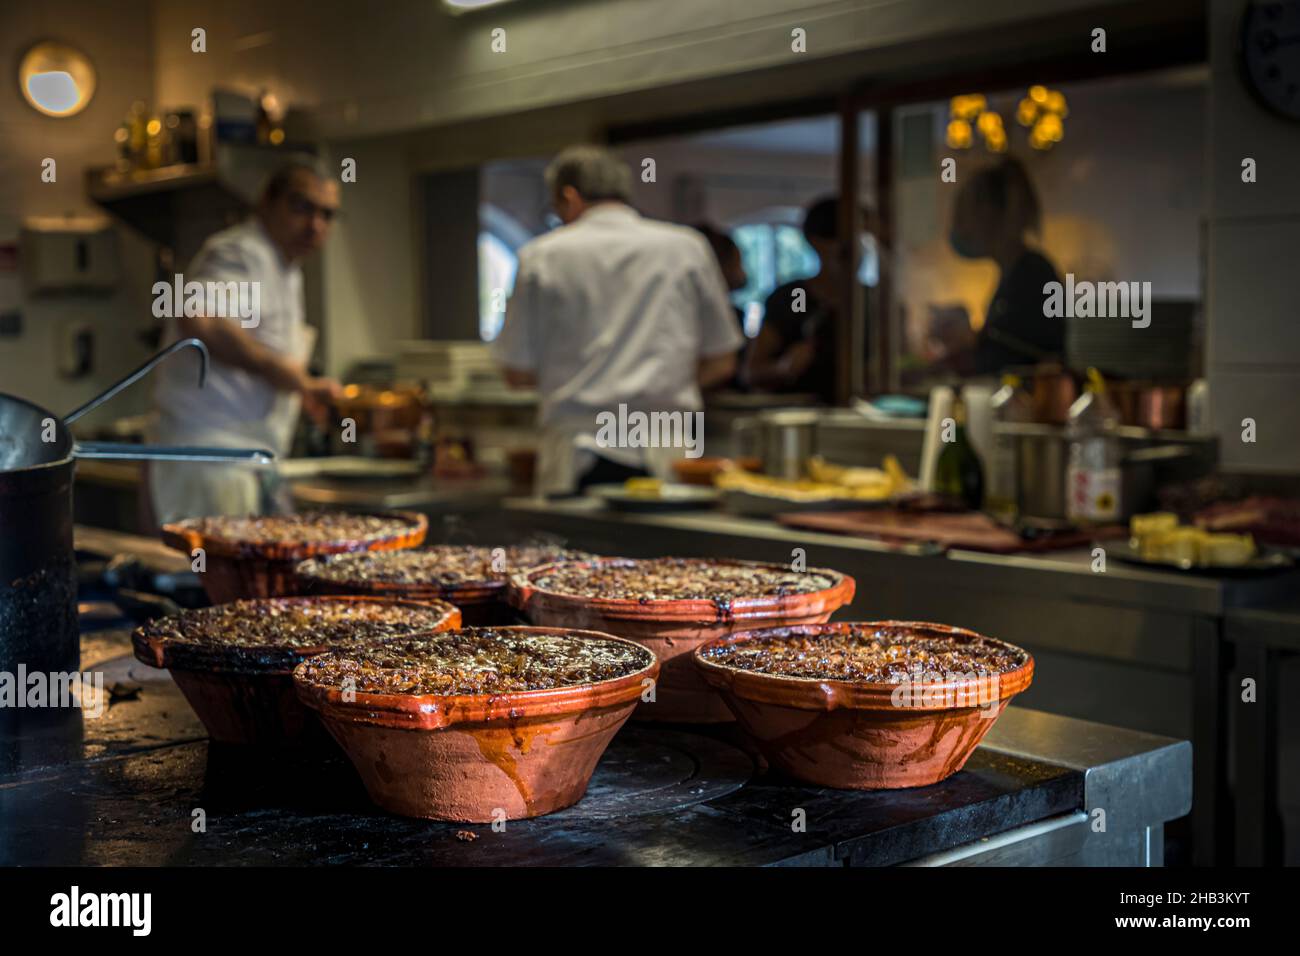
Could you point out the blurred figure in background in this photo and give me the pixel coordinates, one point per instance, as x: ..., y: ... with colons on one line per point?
x: 795, y: 349
x: 995, y: 210
x: 611, y: 309
x: 732, y: 266
x: 258, y: 376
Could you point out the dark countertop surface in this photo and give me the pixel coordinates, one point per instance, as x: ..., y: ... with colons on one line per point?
x: 129, y: 788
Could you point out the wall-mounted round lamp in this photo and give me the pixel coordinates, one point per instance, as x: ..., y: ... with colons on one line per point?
x: 56, y: 79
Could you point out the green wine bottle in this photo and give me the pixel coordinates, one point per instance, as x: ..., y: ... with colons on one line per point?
x: 958, y: 474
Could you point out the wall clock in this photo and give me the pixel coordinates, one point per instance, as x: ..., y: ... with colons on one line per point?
x: 1270, y: 54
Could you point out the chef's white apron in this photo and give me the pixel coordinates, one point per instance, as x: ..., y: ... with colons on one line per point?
x: 183, y: 489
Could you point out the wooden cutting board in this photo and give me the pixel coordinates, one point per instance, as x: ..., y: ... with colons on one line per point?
x: 967, y: 529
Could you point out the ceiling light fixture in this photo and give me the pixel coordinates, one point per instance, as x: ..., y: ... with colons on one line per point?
x: 465, y: 6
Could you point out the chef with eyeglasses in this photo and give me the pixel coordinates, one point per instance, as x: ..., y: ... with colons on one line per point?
x: 258, y: 379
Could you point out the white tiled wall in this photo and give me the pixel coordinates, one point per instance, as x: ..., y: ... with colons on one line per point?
x: 1253, y: 320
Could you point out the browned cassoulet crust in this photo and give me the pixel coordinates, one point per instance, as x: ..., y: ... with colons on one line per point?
x: 669, y: 579
x: 308, y: 527
x: 444, y: 565
x: 477, y: 661
x: 289, y: 622
x: 868, y: 655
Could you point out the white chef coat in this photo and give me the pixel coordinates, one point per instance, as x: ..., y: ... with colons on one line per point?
x: 613, y: 309
x: 236, y: 408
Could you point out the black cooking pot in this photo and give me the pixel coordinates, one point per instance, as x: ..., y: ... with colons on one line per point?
x: 38, y: 582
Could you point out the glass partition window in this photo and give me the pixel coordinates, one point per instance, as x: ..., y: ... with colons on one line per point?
x: 774, y: 252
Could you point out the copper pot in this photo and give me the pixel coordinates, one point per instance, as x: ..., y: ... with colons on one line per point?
x: 1054, y: 392
x: 1150, y: 406
x: 387, y: 418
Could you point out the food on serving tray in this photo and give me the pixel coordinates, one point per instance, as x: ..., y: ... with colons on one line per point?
x: 1159, y: 537
x: 865, y: 705
x: 1269, y: 520
x: 233, y: 661
x: 1224, y: 550
x: 672, y: 605
x: 479, y: 722
x: 825, y: 482
x: 701, y: 471
x: 1161, y: 521
x: 644, y: 487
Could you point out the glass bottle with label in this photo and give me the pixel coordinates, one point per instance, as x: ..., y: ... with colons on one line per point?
x: 1093, y: 476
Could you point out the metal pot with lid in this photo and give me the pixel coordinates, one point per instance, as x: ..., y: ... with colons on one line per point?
x: 783, y: 438
x: 38, y: 583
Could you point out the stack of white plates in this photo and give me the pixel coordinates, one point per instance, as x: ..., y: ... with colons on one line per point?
x: 448, y: 366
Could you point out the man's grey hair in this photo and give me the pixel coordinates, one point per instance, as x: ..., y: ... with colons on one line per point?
x: 593, y: 171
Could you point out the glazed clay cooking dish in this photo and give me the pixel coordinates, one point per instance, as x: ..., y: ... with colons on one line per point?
x: 866, y: 706
x: 473, y: 724
x: 673, y: 605
x: 471, y: 577
x: 234, y: 662
x: 254, y: 557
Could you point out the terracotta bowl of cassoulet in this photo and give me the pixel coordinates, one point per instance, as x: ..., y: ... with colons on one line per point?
x: 471, y: 577
x: 672, y: 606
x: 866, y: 706
x: 234, y: 662
x: 254, y: 557
x: 478, y: 724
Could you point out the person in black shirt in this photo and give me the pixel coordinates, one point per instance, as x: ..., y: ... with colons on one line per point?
x: 795, y: 349
x: 994, y: 211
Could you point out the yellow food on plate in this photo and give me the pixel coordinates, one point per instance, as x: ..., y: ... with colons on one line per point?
x: 1179, y: 545
x: 825, y: 482
x: 1150, y: 546
x: 1141, y: 525
x: 644, y: 487
x: 1159, y: 537
x: 1224, y: 550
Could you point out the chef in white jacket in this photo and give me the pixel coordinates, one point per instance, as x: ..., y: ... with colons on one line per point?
x: 253, y: 324
x: 612, y: 309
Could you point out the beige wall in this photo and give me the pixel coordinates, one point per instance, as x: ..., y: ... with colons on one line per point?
x: 369, y: 268
x: 1254, y: 323
x: 117, y: 39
